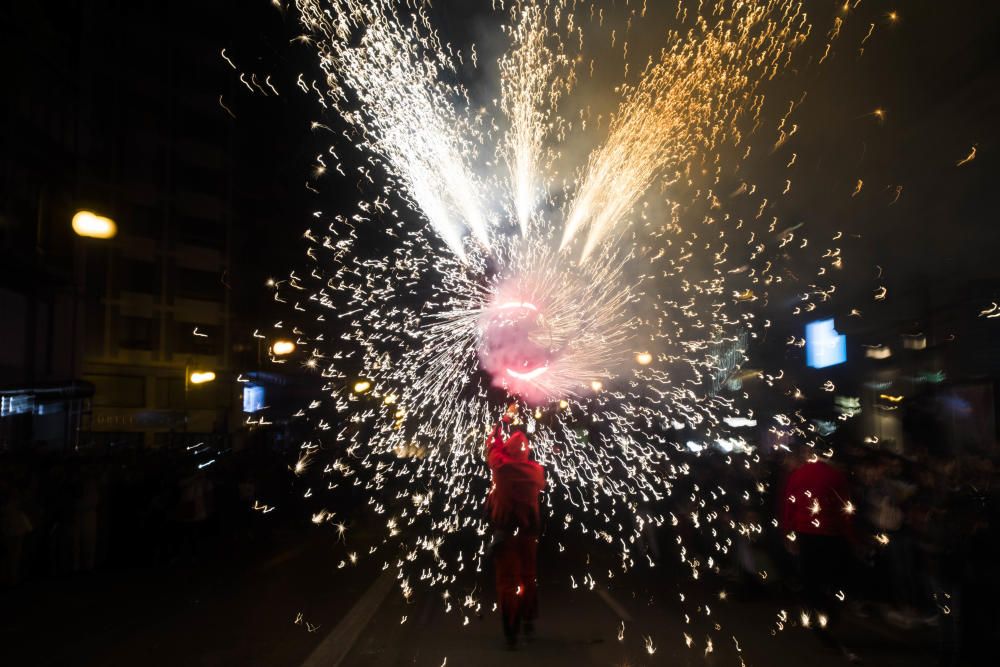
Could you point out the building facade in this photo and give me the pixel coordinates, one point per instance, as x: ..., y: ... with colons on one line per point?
x: 119, y: 113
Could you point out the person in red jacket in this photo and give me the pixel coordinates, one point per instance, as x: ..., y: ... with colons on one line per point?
x: 816, y: 516
x: 516, y: 519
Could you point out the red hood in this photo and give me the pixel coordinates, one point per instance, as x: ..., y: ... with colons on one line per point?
x: 517, y: 446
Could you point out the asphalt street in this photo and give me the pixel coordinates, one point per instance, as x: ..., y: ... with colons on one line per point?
x: 290, y: 603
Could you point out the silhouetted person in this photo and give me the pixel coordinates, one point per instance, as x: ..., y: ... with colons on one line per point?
x: 816, y: 506
x: 515, y: 516
x: 14, y: 527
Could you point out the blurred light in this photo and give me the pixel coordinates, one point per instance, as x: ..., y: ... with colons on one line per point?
x: 282, y: 347
x: 878, y: 352
x: 563, y: 404
x: 16, y: 405
x: 517, y: 305
x: 91, y: 225
x: 737, y: 422
x: 935, y: 377
x: 253, y: 398
x: 824, y: 346
x: 529, y: 375
x: 389, y: 399
x: 825, y: 427
x: 848, y: 405
x: 596, y: 386
x: 914, y: 342
x: 362, y: 386
x: 644, y: 358
x: 201, y: 377
x: 891, y: 399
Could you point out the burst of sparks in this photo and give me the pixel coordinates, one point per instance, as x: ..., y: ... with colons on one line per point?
x: 537, y: 273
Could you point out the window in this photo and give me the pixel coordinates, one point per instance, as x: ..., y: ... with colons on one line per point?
x: 206, y: 341
x: 170, y: 393
x: 119, y: 391
x: 174, y: 394
x: 138, y: 333
x: 194, y: 284
x: 204, y: 396
x: 201, y: 232
x: 140, y: 276
x: 144, y: 221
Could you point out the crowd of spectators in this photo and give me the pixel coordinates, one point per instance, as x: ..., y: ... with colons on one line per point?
x: 924, y: 536
x: 62, y: 514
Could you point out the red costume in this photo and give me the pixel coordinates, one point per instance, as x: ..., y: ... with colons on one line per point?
x: 816, y: 501
x: 514, y: 513
x: 816, y: 505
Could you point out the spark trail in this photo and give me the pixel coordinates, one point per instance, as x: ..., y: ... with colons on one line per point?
x: 493, y: 256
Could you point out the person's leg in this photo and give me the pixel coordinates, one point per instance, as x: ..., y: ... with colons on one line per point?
x: 811, y: 549
x: 7, y: 561
x: 16, y: 551
x: 88, y: 543
x: 506, y: 563
x: 528, y: 553
x: 824, y: 566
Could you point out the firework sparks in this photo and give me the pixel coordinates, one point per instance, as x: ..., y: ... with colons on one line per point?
x: 537, y: 272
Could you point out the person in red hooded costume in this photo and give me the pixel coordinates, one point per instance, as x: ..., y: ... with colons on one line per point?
x: 816, y: 508
x: 516, y: 518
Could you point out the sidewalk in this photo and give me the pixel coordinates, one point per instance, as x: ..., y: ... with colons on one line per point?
x: 232, y: 608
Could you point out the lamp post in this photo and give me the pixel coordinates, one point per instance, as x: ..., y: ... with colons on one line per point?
x: 90, y: 225
x: 87, y: 225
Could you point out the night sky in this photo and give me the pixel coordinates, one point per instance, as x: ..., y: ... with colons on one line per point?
x: 933, y: 72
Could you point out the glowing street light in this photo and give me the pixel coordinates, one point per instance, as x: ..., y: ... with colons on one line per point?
x: 91, y: 225
x: 644, y: 358
x: 282, y: 347
x: 596, y: 385
x: 362, y: 386
x: 201, y: 377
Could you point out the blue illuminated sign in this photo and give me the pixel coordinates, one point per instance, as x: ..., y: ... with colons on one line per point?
x: 824, y: 346
x: 253, y: 398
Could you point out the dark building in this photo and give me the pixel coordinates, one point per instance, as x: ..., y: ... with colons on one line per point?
x: 120, y: 108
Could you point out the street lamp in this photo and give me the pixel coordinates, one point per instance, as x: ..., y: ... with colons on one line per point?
x: 362, y: 386
x: 281, y: 348
x: 91, y: 225
x: 201, y: 377
x: 643, y: 358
